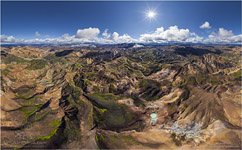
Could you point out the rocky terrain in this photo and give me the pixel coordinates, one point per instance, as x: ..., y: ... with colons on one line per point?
x: 101, y: 97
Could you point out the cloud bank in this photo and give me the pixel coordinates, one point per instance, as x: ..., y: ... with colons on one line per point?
x: 89, y: 34
x: 10, y: 39
x: 172, y: 34
x: 224, y: 36
x: 159, y: 35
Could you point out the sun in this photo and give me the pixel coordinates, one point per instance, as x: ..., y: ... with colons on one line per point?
x: 150, y: 14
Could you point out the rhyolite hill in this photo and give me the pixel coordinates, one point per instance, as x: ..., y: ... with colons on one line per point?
x: 101, y: 97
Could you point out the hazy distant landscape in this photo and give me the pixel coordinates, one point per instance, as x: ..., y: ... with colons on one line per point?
x: 165, y: 88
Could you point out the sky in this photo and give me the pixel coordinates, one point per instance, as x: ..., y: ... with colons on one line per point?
x: 120, y: 22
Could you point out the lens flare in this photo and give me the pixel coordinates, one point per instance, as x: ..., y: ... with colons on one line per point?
x: 150, y: 14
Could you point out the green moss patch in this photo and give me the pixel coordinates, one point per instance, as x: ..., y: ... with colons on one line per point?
x: 124, y: 138
x: 149, y: 89
x: 47, y: 137
x: 54, y: 59
x: 40, y: 115
x: 105, y: 96
x: 110, y: 115
x: 30, y: 110
x: 28, y: 100
x: 104, y: 100
x: 72, y: 131
x: 215, y: 80
x: 24, y: 92
x: 118, y: 118
x: 191, y: 80
x: 36, y: 64
x: 73, y: 93
x: 55, y: 125
x: 13, y: 59
x: 5, y: 71
x: 201, y: 78
x: 237, y: 75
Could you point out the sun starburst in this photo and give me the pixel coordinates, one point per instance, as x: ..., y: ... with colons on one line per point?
x: 150, y: 14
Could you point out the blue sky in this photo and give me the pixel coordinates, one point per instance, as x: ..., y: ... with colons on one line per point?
x: 23, y: 20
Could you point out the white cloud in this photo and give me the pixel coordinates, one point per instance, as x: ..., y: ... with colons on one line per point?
x: 88, y: 34
x: 138, y: 46
x: 37, y: 34
x: 106, y: 34
x: 224, y: 36
x: 172, y: 34
x: 9, y: 39
x: 225, y: 33
x: 205, y: 25
x: 125, y: 38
